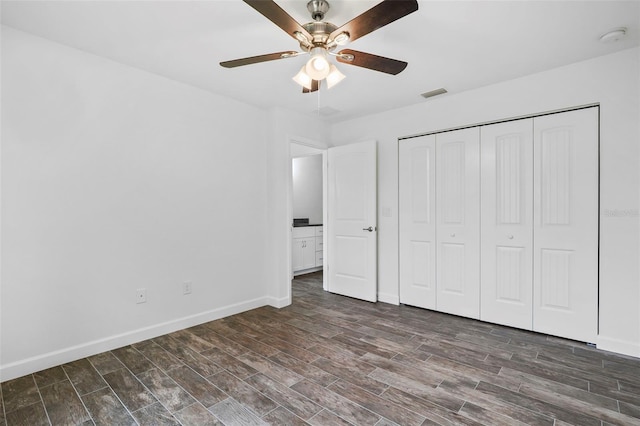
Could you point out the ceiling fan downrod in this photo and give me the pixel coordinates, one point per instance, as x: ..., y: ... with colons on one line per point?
x: 318, y: 8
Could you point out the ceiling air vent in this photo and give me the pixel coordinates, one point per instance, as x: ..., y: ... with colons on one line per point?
x: 326, y: 111
x: 434, y: 93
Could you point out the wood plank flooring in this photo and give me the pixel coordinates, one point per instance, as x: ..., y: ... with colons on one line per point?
x: 332, y: 360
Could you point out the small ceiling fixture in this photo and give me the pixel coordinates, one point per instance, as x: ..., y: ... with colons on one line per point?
x: 613, y: 35
x: 319, y: 39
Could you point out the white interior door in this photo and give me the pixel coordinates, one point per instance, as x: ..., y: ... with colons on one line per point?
x: 506, y: 230
x: 566, y: 224
x: 352, y: 224
x: 417, y: 192
x: 458, y: 222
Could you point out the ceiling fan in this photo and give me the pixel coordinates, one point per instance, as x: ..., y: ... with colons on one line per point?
x: 319, y: 39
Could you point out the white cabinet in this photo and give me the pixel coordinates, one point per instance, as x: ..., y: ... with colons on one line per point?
x: 515, y: 228
x: 306, y: 248
x: 303, y: 254
x: 319, y: 245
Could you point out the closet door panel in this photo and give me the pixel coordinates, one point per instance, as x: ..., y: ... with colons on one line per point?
x: 507, y: 223
x: 416, y: 161
x: 566, y: 224
x: 458, y: 222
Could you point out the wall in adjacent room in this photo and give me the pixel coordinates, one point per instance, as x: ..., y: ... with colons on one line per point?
x: 115, y: 179
x: 613, y: 82
x: 307, y: 188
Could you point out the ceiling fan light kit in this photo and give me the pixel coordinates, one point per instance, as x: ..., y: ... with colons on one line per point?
x: 319, y: 39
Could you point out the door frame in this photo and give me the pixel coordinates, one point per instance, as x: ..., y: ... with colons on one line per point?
x: 319, y: 148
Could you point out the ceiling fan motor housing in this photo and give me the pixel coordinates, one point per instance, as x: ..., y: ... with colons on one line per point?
x: 320, y: 32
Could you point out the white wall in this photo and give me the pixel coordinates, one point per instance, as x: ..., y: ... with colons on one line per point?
x: 115, y: 179
x: 307, y: 188
x: 613, y: 82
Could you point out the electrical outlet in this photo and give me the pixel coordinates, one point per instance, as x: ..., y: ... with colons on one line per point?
x: 186, y: 287
x: 141, y: 295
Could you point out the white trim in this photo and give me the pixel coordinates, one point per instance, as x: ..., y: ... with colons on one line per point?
x: 308, y: 271
x: 307, y: 142
x: 325, y: 219
x: 279, y: 303
x: 393, y: 299
x: 624, y: 347
x: 322, y: 149
x: 62, y: 356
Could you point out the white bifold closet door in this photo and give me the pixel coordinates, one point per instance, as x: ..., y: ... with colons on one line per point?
x: 565, y: 232
x: 506, y: 234
x: 417, y: 193
x: 525, y: 192
x: 458, y: 222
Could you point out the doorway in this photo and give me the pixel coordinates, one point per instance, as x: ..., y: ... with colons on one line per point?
x: 347, y: 243
x: 307, y: 208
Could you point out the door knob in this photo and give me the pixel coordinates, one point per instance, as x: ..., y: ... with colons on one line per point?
x: 370, y: 229
x: 453, y: 235
x: 510, y: 237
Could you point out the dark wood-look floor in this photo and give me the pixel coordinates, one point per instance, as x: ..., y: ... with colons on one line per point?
x: 331, y: 360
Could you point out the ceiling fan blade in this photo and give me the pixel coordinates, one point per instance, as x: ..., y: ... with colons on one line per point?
x: 377, y: 17
x: 315, y: 85
x: 373, y: 62
x: 270, y: 10
x: 256, y: 59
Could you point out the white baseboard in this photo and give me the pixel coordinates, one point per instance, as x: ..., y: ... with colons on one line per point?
x: 278, y: 303
x: 62, y: 356
x: 389, y: 298
x: 623, y: 347
x: 307, y: 271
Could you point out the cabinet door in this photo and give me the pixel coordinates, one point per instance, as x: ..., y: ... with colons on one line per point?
x: 417, y: 184
x: 296, y: 255
x: 309, y: 253
x: 507, y: 223
x: 458, y: 222
x: 565, y: 259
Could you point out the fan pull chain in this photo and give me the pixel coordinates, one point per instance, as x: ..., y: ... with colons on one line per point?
x: 319, y: 87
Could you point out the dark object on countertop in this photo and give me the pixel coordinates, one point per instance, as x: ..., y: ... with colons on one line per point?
x: 301, y: 222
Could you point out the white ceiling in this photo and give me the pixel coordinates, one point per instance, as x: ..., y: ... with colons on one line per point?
x: 458, y: 45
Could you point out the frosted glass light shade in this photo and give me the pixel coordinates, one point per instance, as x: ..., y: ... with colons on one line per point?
x: 303, y: 79
x: 334, y: 77
x: 318, y: 67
